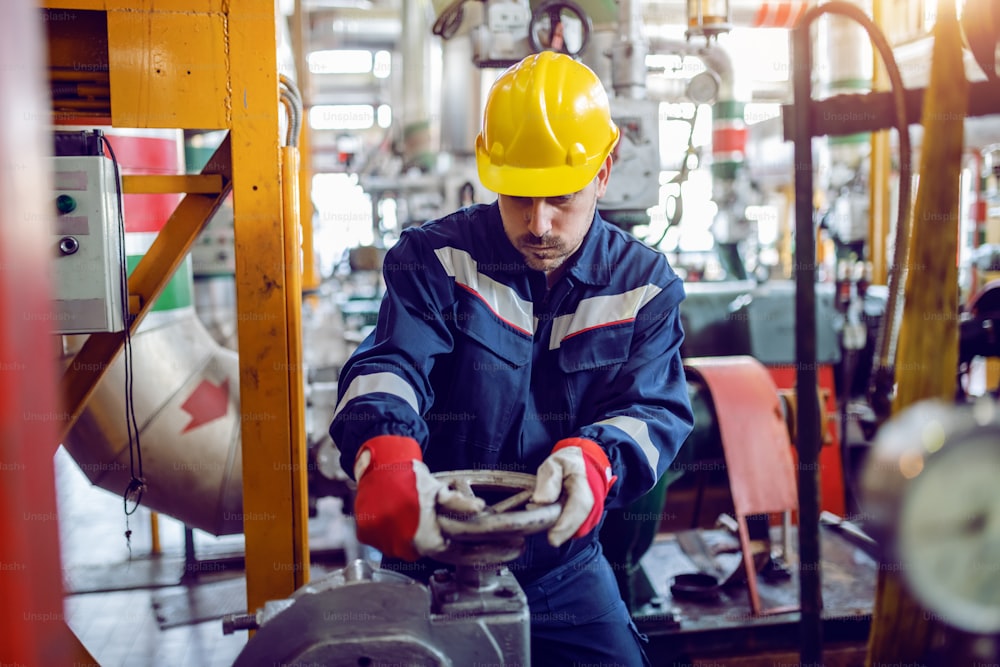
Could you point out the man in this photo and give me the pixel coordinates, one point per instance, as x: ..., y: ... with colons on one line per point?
x: 526, y: 335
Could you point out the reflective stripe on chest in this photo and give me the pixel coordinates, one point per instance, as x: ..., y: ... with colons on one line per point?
x: 508, y: 306
x: 601, y: 311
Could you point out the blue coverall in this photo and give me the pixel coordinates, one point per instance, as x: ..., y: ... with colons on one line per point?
x: 487, y: 368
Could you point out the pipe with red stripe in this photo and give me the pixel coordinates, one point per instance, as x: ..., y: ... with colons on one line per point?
x: 779, y: 14
x: 729, y: 138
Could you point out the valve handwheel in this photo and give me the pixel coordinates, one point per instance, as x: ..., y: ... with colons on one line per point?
x: 495, y: 535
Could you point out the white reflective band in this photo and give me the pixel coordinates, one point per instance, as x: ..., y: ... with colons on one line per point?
x: 499, y: 298
x: 386, y: 383
x: 638, y: 431
x: 601, y: 311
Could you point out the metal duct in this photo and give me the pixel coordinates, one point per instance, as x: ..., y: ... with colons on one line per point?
x: 350, y: 28
x: 416, y: 112
x: 742, y: 13
x: 461, y: 103
x: 729, y: 136
x: 628, y: 53
x: 597, y: 55
x: 843, y: 161
x: 186, y: 397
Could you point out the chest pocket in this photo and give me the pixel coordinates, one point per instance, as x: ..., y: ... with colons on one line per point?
x: 603, y: 349
x: 475, y: 321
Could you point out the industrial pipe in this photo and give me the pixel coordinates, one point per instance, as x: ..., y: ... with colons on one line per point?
x: 187, y: 407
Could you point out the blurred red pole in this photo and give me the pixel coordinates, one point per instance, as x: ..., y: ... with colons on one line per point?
x: 33, y: 628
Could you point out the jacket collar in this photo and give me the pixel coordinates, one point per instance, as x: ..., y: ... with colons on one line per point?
x: 590, y: 264
x: 587, y: 265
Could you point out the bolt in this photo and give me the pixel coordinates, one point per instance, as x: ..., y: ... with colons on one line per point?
x: 234, y: 622
x: 68, y: 245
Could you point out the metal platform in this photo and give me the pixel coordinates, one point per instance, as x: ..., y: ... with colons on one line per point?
x: 684, y: 631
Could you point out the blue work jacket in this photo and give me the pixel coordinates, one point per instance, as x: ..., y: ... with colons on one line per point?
x: 487, y: 368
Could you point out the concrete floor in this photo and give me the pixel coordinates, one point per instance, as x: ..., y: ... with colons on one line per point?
x: 119, y: 627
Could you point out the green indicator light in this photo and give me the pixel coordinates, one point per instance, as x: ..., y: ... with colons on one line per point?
x: 65, y: 204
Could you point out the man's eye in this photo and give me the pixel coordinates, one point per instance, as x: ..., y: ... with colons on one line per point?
x: 561, y: 200
x: 522, y: 201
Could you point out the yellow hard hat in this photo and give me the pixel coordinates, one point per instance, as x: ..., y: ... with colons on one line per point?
x: 547, y: 128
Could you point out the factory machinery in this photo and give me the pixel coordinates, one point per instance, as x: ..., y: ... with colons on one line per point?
x: 209, y: 347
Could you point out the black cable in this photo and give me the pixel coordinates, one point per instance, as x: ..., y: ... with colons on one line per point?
x: 449, y: 20
x: 674, y: 219
x: 137, y: 484
x: 810, y: 586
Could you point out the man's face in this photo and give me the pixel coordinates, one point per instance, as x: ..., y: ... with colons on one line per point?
x: 547, y: 230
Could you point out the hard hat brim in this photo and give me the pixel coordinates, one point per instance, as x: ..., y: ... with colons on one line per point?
x: 538, y: 182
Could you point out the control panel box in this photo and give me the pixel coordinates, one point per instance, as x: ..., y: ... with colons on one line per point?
x: 88, y: 246
x: 502, y: 39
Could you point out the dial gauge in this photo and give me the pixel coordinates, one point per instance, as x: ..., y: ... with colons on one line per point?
x: 932, y: 491
x: 949, y: 534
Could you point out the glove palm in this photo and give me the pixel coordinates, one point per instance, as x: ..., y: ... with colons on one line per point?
x: 579, y: 470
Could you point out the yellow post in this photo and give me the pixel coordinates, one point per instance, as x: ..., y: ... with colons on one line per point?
x: 212, y: 64
x: 268, y: 314
x: 880, y: 168
x: 293, y: 278
x: 154, y: 534
x: 878, y: 221
x: 902, y: 632
x: 310, y: 272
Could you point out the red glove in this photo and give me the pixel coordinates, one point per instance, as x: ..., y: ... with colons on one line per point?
x: 580, y: 468
x: 395, y: 506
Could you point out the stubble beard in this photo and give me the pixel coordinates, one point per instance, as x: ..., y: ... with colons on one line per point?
x: 543, y: 254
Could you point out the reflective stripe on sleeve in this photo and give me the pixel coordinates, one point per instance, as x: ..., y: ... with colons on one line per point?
x: 374, y: 383
x: 638, y: 431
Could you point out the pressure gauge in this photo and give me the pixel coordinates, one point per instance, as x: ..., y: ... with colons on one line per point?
x: 703, y: 87
x: 932, y: 488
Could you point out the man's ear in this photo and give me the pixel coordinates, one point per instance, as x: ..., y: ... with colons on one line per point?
x: 603, y: 175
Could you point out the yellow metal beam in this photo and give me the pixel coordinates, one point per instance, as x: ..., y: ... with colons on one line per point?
x: 879, y: 220
x: 187, y: 6
x: 293, y: 279
x: 154, y: 184
x: 268, y: 317
x: 902, y: 632
x: 169, y: 66
x: 212, y: 64
x: 880, y: 168
x: 147, y: 281
x: 299, y: 33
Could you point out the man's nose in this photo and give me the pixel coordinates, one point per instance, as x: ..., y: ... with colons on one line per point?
x: 540, y: 218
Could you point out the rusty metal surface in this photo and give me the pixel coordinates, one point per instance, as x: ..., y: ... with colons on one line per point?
x: 756, y: 445
x: 727, y: 623
x: 754, y: 436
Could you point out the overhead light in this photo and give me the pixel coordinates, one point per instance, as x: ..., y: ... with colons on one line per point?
x: 383, y: 115
x: 382, y: 64
x: 340, y: 61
